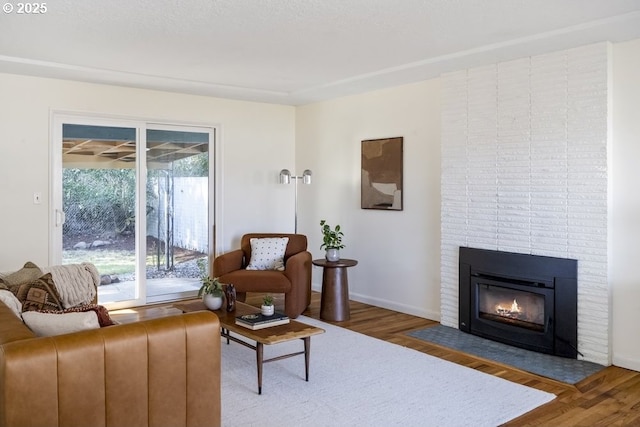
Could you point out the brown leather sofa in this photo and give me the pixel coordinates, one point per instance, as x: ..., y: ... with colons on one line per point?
x: 294, y: 282
x: 160, y: 372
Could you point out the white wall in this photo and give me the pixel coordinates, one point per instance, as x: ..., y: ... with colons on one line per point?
x: 398, y: 251
x: 257, y: 141
x: 625, y: 254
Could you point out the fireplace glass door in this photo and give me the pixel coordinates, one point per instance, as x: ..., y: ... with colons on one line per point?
x: 513, y: 307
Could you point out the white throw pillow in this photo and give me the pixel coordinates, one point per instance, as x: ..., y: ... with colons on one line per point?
x: 10, y: 300
x: 267, y: 253
x: 49, y: 324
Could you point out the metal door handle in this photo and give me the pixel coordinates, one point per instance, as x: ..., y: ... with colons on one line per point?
x: 60, y: 218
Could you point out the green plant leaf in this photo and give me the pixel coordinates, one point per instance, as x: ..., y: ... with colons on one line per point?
x: 331, y: 239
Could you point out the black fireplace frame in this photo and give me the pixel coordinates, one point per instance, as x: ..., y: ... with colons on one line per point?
x: 555, y: 278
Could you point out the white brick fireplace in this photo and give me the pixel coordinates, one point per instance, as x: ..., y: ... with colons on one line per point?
x: 525, y: 169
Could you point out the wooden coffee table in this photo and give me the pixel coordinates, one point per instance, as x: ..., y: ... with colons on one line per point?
x: 267, y: 336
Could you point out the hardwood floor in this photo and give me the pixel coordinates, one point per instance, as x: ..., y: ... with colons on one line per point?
x: 608, y: 398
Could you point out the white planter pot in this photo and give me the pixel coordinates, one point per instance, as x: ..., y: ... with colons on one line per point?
x: 267, y: 310
x: 212, y: 302
x: 332, y: 254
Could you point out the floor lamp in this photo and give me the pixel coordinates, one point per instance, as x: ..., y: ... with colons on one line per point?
x: 286, y: 177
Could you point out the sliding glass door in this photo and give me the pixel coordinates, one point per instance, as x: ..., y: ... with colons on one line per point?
x: 136, y: 200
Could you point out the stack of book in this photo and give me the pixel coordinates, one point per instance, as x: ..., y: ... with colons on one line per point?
x: 260, y: 321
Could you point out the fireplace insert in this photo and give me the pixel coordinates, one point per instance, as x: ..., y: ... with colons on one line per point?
x: 528, y: 301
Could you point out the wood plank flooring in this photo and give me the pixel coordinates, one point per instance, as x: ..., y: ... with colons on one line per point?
x: 608, y: 398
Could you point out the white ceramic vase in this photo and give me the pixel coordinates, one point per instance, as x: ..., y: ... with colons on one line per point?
x: 332, y: 254
x: 267, y: 310
x: 212, y: 302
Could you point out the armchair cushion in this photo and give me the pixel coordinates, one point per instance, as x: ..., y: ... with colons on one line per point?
x: 260, y: 281
x: 268, y: 253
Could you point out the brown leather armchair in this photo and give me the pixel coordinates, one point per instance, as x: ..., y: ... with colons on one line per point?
x: 294, y: 282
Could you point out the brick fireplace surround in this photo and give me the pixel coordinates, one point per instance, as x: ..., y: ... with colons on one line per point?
x: 525, y: 169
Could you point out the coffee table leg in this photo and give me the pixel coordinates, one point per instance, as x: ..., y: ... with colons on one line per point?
x: 259, y: 348
x: 307, y: 351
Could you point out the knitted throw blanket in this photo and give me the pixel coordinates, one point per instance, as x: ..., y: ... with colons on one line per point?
x: 76, y: 283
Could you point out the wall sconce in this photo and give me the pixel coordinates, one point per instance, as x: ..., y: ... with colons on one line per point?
x: 306, y: 177
x: 286, y: 177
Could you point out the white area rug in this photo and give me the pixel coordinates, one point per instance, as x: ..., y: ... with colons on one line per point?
x: 356, y: 380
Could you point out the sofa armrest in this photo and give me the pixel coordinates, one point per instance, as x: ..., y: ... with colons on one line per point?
x: 157, y: 372
x: 228, y: 262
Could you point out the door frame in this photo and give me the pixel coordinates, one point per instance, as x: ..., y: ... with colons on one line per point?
x: 56, y: 217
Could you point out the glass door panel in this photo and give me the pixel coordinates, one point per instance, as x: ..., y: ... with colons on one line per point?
x: 99, y: 204
x: 177, y: 210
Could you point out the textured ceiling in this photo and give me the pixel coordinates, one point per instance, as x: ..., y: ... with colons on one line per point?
x: 294, y: 51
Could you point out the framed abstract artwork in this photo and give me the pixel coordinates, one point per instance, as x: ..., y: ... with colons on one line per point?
x: 381, y: 185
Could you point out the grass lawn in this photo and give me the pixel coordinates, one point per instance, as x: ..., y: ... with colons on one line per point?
x: 106, y: 261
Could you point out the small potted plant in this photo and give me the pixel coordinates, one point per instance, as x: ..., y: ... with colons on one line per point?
x: 211, y: 292
x: 267, y: 308
x: 331, y: 241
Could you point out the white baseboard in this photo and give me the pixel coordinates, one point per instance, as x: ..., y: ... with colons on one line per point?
x: 626, y: 362
x: 390, y: 305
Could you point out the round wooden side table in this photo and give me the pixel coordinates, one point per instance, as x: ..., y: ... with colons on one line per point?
x: 334, y: 302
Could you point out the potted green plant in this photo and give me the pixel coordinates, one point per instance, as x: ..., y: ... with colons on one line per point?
x: 331, y: 240
x: 267, y: 307
x: 211, y: 292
